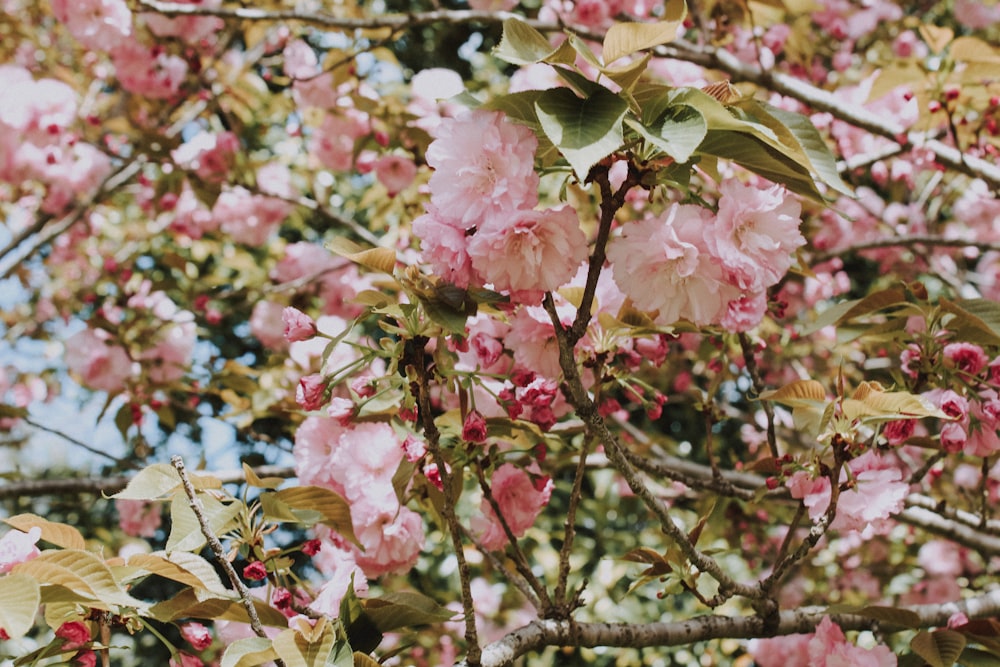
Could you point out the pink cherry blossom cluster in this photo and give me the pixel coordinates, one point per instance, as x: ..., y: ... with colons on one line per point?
x: 359, y: 462
x: 875, y: 492
x: 37, y: 142
x: 689, y: 263
x: 519, y: 496
x: 827, y: 647
x: 481, y: 226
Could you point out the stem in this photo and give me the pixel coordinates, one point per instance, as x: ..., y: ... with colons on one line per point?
x: 569, y: 532
x: 220, y: 554
x: 520, y: 562
x: 433, y: 437
x: 751, y: 363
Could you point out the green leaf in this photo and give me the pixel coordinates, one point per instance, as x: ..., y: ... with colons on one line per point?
x: 584, y: 130
x: 823, y: 162
x: 83, y: 574
x: 623, y: 39
x: 753, y: 154
x: 523, y: 45
x: 19, y: 600
x: 186, y: 568
x: 186, y: 604
x: 58, y: 534
x: 382, y: 260
x: 364, y: 660
x: 939, y: 648
x: 309, y: 648
x: 972, y: 657
x: 248, y: 652
x: 681, y: 132
x: 405, y: 609
x: 266, y: 482
x: 155, y: 481
x: 629, y: 75
x: 976, y: 320
x: 185, y: 530
x: 890, y: 615
x: 335, y: 511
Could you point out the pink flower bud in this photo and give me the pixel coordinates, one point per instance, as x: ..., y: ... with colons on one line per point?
x: 474, y: 428
x: 255, y: 571
x: 309, y: 393
x: 298, y: 325
x: 74, y: 635
x: 197, y: 635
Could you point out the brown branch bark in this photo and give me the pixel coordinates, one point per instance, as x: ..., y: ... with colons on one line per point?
x: 539, y: 634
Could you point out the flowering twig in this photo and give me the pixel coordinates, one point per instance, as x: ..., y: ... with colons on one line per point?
x: 220, y: 554
x: 517, y: 555
x: 433, y: 438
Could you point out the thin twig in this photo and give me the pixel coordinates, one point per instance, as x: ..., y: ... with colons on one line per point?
x: 220, y: 554
x: 433, y: 438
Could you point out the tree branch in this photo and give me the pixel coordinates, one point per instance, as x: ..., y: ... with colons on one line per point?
x: 539, y: 634
x: 220, y: 554
x: 110, y: 485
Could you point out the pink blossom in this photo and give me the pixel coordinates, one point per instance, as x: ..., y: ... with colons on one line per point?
x: 395, y: 172
x: 86, y: 658
x: 814, y: 492
x: 97, y: 24
x: 663, y: 265
x: 829, y: 648
x: 785, y: 651
x: 186, y: 660
x: 520, y: 500
x: 877, y: 494
x: 444, y: 246
x: 197, y: 635
x: 342, y: 410
x: 333, y: 142
x: 74, y: 635
x: 209, y: 155
x: 976, y: 14
x: 474, y: 427
x: 744, y: 311
x: 249, y: 218
x: 755, y: 234
x: 898, y: 431
x: 414, y: 448
x: 298, y: 325
x: 146, y: 71
x: 138, y: 518
x: 17, y: 547
x: 529, y: 251
x: 255, y: 571
x: 966, y: 357
x: 392, y: 537
x: 483, y: 166
x: 953, y: 436
x: 339, y: 566
x: 100, y: 363
x: 309, y: 393
x: 267, y: 324
x: 190, y: 29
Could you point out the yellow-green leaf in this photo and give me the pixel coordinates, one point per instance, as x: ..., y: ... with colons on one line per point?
x: 299, y: 650
x: 376, y: 259
x: 186, y: 568
x: 335, y: 510
x: 19, y: 600
x: 939, y: 648
x: 523, y: 45
x: 248, y: 652
x: 58, y: 534
x: 187, y: 605
x: 155, y: 481
x: 623, y: 39
x: 80, y: 572
x: 404, y: 609
x: 185, y: 530
x: 796, y: 392
x: 364, y: 660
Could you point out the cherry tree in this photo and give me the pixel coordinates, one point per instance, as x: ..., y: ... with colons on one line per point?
x: 470, y: 333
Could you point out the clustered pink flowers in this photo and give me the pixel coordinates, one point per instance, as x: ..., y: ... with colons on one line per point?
x: 710, y: 268
x: 481, y: 226
x: 827, y: 647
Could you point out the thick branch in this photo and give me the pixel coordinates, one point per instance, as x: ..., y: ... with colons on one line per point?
x: 542, y: 633
x: 109, y: 485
